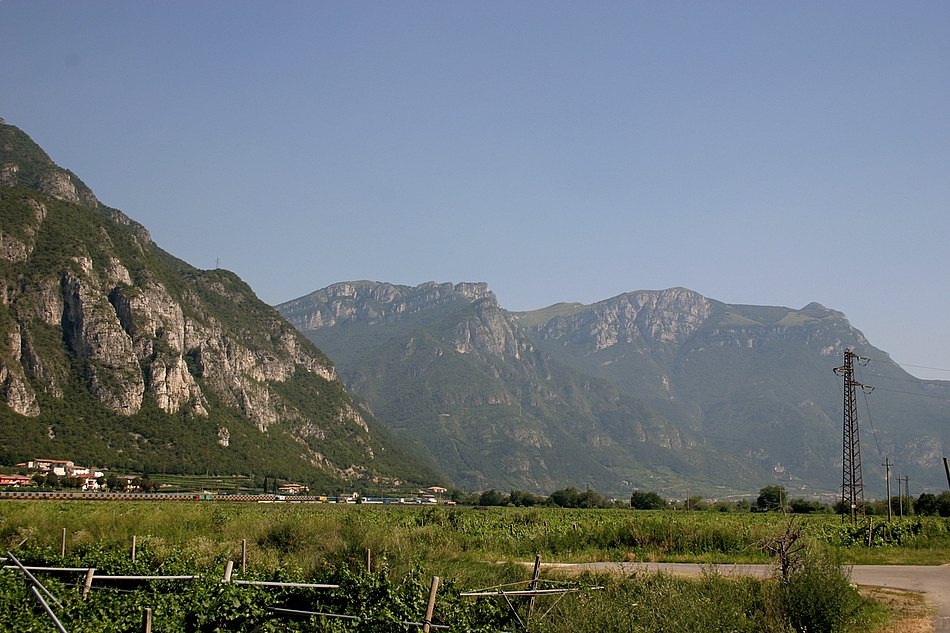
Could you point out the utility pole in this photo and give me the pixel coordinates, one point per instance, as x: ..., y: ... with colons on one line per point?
x: 910, y: 503
x: 900, y: 494
x: 887, y: 488
x: 852, y: 480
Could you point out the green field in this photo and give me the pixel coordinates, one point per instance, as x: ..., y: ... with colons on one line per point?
x: 469, y: 547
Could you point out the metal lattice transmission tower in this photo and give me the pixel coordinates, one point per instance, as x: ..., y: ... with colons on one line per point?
x: 852, y: 481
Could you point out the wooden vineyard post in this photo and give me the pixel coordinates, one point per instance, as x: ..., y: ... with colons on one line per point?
x: 62, y: 545
x: 87, y: 583
x: 534, y: 583
x: 369, y: 561
x: 147, y: 620
x: 243, y: 557
x: 133, y: 548
x: 228, y: 570
x: 430, y: 608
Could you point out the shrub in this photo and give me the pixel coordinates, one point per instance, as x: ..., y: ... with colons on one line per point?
x: 818, y: 595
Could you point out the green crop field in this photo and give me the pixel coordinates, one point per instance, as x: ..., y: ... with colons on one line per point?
x: 469, y: 548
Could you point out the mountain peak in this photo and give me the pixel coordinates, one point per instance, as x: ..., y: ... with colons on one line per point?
x: 377, y: 302
x: 818, y: 311
x: 23, y: 163
x: 474, y: 290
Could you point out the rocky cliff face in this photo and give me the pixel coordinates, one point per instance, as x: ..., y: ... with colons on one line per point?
x: 489, y: 330
x: 679, y: 321
x: 132, y: 336
x: 375, y: 303
x: 641, y: 319
x: 89, y: 301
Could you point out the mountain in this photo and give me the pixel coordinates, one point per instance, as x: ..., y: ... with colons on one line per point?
x: 447, y: 365
x: 117, y: 354
x: 665, y: 390
x: 756, y: 380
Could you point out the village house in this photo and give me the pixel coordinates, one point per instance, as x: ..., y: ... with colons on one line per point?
x: 59, y: 467
x: 16, y: 481
x: 292, y: 489
x: 87, y: 478
x: 87, y: 482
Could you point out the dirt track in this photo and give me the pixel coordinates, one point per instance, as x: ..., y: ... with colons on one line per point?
x: 933, y: 582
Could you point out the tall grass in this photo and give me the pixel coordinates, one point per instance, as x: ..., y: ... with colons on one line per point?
x: 819, y: 601
x: 308, y: 536
x: 468, y: 546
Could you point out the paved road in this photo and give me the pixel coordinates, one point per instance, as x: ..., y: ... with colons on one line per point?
x: 933, y: 582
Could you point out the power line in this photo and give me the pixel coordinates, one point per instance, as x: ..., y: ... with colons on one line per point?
x: 921, y: 366
x: 911, y: 393
x: 867, y: 407
x: 894, y: 362
x: 882, y: 376
x: 917, y: 381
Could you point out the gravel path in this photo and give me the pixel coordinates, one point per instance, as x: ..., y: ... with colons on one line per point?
x: 932, y: 581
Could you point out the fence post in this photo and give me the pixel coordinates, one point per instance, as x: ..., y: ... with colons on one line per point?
x: 243, y: 557
x: 147, y: 620
x: 369, y: 561
x: 133, y: 548
x: 534, y: 583
x: 430, y: 608
x: 62, y: 545
x: 228, y: 569
x: 87, y: 584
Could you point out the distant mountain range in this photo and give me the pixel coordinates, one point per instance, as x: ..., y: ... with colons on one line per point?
x: 116, y: 354
x: 661, y: 390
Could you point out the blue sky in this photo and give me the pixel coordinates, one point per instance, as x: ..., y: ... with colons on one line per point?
x: 757, y: 152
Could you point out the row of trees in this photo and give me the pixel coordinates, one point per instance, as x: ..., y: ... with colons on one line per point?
x: 566, y: 498
x: 770, y: 499
x: 775, y: 498
x: 927, y: 504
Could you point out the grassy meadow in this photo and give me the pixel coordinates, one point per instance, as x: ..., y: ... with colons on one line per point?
x: 478, y: 547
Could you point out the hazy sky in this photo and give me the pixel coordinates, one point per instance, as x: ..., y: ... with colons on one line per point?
x: 757, y: 152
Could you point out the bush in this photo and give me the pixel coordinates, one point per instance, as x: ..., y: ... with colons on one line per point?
x: 819, y: 597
